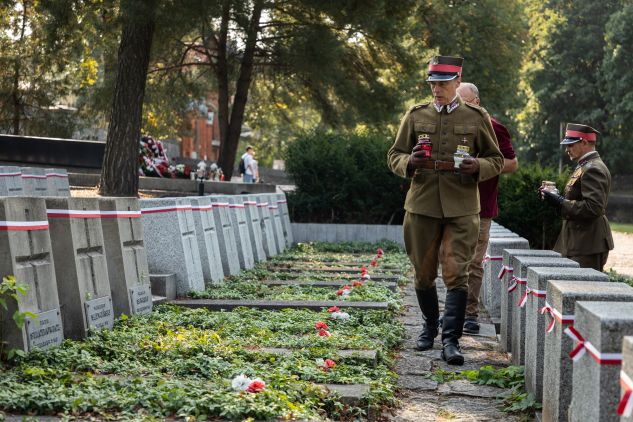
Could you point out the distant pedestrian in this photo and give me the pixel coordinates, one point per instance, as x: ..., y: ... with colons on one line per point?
x: 247, y: 165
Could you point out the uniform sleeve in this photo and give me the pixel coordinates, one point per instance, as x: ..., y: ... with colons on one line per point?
x: 503, y: 137
x: 490, y: 158
x: 594, y: 185
x: 398, y: 155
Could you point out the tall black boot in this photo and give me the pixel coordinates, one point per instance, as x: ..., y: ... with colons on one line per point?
x: 427, y: 299
x: 452, y: 326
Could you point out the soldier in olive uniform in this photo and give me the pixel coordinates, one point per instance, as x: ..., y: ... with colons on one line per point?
x: 585, y: 236
x: 446, y: 147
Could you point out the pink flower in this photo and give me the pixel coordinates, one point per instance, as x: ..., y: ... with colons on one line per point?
x: 379, y: 252
x: 320, y: 325
x: 324, y: 333
x: 256, y: 386
x: 373, y: 263
x: 356, y: 283
x: 333, y: 309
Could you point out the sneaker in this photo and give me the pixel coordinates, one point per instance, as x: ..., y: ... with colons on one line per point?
x: 471, y: 326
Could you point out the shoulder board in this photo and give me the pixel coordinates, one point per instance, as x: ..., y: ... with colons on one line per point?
x: 418, y: 106
x: 481, y: 110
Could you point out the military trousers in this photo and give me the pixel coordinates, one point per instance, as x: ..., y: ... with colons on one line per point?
x: 595, y: 261
x: 447, y: 241
x: 476, y: 269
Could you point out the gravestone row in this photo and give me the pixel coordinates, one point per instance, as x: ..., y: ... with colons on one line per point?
x: 33, y: 181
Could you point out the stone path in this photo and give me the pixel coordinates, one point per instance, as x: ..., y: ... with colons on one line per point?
x: 621, y: 257
x: 423, y: 399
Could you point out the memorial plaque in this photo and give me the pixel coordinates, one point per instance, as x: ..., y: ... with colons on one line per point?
x: 99, y: 313
x: 44, y: 331
x: 141, y: 299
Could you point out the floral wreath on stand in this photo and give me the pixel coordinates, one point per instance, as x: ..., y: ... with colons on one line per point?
x: 152, y: 159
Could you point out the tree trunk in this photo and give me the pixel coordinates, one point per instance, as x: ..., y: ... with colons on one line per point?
x: 231, y: 135
x: 119, y: 175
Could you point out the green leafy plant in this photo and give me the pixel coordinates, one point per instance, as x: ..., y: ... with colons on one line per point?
x: 10, y: 289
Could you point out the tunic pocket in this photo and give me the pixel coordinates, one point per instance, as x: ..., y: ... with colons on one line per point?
x: 422, y: 127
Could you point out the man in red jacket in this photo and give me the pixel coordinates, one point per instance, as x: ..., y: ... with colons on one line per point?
x: 489, y: 210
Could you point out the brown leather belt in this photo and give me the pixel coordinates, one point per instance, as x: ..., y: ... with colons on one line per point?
x: 438, y: 165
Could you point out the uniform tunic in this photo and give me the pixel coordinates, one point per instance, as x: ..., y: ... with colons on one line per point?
x: 586, y: 235
x: 443, y: 206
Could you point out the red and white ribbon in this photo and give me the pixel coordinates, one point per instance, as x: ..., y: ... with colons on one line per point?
x: 170, y: 208
x: 63, y: 175
x: 120, y: 214
x: 221, y: 204
x: 250, y: 203
x: 236, y: 206
x: 263, y: 205
x: 282, y: 201
x: 555, y: 316
x: 491, y: 258
x: 625, y: 407
x: 53, y: 213
x: 23, y: 225
x: 272, y: 207
x: 202, y: 207
x: 504, y: 270
x: 583, y: 346
x: 533, y: 292
x: 15, y: 174
x: 515, y: 283
x: 33, y: 176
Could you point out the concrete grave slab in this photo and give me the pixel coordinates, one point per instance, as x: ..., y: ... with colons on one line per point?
x: 243, y: 240
x: 27, y: 255
x: 254, y: 228
x: 163, y: 285
x: 507, y: 305
x: 34, y: 181
x: 11, y: 181
x: 80, y: 265
x: 57, y: 182
x: 226, y: 235
x: 172, y: 243
x: 266, y: 221
x: 626, y: 380
x: 280, y: 240
x: 282, y: 203
x: 124, y: 249
x: 316, y: 305
x: 538, y: 278
x: 322, y: 283
x: 208, y: 239
x: 596, y: 374
x: 562, y: 296
x: 521, y: 266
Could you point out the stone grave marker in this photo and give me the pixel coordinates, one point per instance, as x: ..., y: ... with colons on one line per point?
x: 172, y: 243
x: 27, y: 255
x: 625, y: 407
x: 243, y: 240
x: 507, y: 282
x: 268, y: 231
x: 492, y: 267
x: 562, y: 296
x: 600, y: 326
x: 57, y: 182
x: 226, y: 235
x: 207, y: 235
x: 125, y: 252
x: 254, y: 228
x: 34, y: 181
x: 280, y: 240
x: 521, y: 266
x: 11, y: 181
x: 282, y: 203
x: 80, y: 265
x: 538, y: 277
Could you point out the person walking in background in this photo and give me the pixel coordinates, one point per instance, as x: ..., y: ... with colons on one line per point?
x: 489, y: 209
x: 585, y: 236
x: 446, y: 147
x: 247, y: 168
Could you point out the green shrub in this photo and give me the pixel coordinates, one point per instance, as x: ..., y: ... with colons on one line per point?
x: 343, y: 178
x: 520, y: 209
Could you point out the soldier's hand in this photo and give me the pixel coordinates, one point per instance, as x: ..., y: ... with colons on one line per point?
x: 417, y: 157
x: 553, y: 199
x: 469, y: 166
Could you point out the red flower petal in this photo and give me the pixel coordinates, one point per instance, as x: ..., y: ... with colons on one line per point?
x: 329, y: 363
x: 334, y: 308
x: 324, y: 333
x: 320, y: 325
x: 256, y: 386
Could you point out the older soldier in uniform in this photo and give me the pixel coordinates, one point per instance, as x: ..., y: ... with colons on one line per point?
x: 446, y: 147
x: 585, y: 236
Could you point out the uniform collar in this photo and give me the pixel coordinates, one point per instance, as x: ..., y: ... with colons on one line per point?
x: 588, y: 156
x: 455, y: 102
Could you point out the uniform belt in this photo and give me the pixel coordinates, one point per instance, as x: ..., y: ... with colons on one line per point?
x: 438, y: 165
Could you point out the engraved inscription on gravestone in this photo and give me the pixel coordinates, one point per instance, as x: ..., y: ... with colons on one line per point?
x: 45, y: 330
x: 141, y: 298
x: 99, y: 313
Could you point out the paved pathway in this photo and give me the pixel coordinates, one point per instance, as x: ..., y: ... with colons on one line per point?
x: 621, y: 257
x: 424, y: 399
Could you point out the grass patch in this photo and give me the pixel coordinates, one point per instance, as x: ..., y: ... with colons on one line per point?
x: 621, y: 227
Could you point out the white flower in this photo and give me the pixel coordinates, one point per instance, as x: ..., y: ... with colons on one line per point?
x: 240, y: 382
x: 365, y: 277
x: 343, y: 316
x: 320, y: 362
x: 346, y: 293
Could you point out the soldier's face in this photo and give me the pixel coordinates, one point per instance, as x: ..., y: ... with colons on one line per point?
x: 444, y: 91
x: 577, y: 149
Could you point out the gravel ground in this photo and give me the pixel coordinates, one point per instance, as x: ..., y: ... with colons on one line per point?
x: 621, y: 257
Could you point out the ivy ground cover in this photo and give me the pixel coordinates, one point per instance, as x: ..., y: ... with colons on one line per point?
x: 202, y: 365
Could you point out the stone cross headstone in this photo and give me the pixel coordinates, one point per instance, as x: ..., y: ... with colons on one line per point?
x: 80, y: 265
x: 172, y: 243
x: 562, y: 296
x: 243, y: 240
x: 57, y: 182
x: 535, y: 325
x: 226, y: 235
x: 208, y: 244
x: 34, y: 181
x: 27, y: 255
x: 125, y: 255
x: 519, y: 285
x: 266, y: 221
x: 282, y: 203
x: 254, y: 228
x: 600, y: 326
x: 11, y: 181
x: 507, y: 305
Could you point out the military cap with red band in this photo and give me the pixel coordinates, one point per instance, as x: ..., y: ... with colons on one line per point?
x: 576, y: 133
x: 444, y: 68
